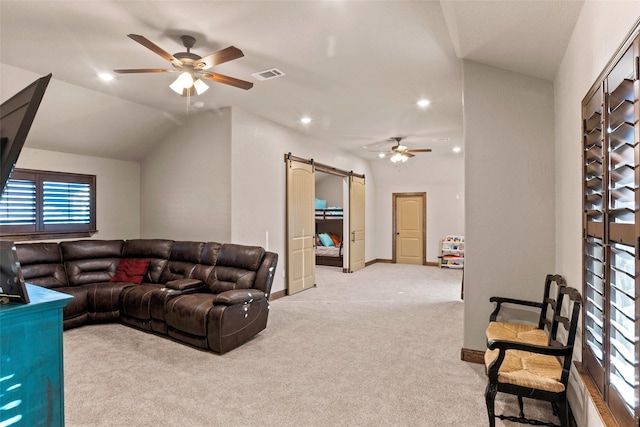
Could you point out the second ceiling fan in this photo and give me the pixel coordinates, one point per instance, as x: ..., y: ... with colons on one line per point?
x: 191, y: 67
x: 401, y: 153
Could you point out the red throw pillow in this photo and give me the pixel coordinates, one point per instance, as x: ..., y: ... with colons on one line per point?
x: 335, y: 238
x: 131, y: 270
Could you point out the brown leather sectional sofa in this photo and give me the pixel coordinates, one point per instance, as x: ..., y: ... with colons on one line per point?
x: 209, y: 295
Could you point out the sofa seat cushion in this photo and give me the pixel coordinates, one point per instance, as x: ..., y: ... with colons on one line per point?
x: 134, y: 300
x: 517, y: 332
x: 78, y: 305
x: 525, y: 369
x: 189, y: 313
x: 104, y: 297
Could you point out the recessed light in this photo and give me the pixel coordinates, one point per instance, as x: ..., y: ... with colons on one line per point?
x: 105, y: 77
x: 305, y: 120
x: 423, y: 103
x: 381, y: 155
x: 457, y: 149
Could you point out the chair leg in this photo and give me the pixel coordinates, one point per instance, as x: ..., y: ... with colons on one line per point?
x: 521, y: 406
x: 490, y: 398
x: 563, y: 412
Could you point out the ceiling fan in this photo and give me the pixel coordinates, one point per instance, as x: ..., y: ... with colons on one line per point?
x: 192, y: 67
x: 399, y: 152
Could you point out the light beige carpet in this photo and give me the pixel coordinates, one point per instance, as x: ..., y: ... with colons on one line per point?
x: 380, y: 347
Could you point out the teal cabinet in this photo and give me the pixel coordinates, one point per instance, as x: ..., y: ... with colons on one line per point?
x: 31, y: 364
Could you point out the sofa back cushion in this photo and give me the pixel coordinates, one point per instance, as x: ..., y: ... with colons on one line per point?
x: 184, y: 258
x: 235, y: 268
x: 208, y: 259
x: 157, y: 251
x: 42, y: 264
x: 91, y: 261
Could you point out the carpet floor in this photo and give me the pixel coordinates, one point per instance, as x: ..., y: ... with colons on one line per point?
x: 379, y: 347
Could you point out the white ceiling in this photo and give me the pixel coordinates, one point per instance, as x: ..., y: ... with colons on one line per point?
x: 356, y: 67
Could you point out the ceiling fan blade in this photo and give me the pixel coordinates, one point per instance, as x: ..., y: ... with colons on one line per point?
x: 228, y: 54
x: 145, y: 70
x: 156, y: 49
x: 420, y: 150
x: 408, y: 154
x: 232, y: 81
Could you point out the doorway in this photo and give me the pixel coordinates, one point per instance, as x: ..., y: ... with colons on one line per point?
x: 301, y: 217
x: 409, y: 228
x: 331, y: 219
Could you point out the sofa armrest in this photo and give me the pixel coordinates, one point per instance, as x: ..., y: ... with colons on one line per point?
x: 184, y: 284
x: 238, y: 296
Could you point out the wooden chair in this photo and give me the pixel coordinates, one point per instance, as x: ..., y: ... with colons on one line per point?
x: 532, y: 370
x: 513, y: 331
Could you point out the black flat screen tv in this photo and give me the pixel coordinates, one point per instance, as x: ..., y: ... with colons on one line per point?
x: 16, y: 116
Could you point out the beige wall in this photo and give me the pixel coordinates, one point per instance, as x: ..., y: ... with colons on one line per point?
x: 117, y: 188
x: 186, y: 182
x: 509, y: 190
x: 258, y: 182
x: 329, y: 188
x: 442, y: 178
x: 601, y: 28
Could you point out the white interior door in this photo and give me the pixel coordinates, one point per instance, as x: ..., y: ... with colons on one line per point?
x: 409, y: 229
x: 300, y: 226
x: 356, y: 223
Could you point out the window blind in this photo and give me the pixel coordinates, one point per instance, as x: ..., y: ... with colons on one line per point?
x: 18, y: 203
x: 66, y: 203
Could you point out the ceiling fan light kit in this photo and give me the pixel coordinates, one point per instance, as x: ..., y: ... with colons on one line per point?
x: 399, y: 153
x: 192, y: 67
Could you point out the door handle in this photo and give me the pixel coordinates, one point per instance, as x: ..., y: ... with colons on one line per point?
x: 353, y: 236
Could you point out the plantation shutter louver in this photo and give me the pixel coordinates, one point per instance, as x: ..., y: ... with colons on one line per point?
x: 66, y: 203
x: 18, y: 204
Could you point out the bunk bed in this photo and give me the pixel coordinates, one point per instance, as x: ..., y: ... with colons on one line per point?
x: 328, y: 236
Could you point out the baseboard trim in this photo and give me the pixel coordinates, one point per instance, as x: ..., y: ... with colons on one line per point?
x: 601, y: 406
x: 373, y: 261
x: 472, y: 356
x: 278, y: 294
x: 390, y: 261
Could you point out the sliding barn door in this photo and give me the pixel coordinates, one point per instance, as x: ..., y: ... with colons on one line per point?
x: 300, y: 226
x: 356, y: 223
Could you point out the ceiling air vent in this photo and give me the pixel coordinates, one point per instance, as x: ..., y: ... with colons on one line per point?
x: 268, y: 74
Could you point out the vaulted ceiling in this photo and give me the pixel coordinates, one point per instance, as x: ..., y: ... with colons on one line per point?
x: 357, y: 68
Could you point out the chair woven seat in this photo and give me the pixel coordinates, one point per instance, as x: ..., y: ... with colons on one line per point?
x: 526, y: 369
x: 518, y: 332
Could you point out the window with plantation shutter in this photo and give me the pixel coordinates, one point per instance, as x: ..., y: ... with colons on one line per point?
x: 41, y: 204
x: 611, y: 234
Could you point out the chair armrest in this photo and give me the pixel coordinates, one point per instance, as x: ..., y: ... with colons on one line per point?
x: 499, y: 301
x: 238, y: 296
x: 502, y: 347
x: 184, y: 284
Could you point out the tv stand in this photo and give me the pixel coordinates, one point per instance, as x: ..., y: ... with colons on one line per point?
x: 31, y: 364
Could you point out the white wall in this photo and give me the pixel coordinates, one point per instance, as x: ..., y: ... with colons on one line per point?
x: 442, y: 178
x: 258, y: 182
x: 329, y: 188
x: 117, y: 188
x: 186, y: 182
x: 601, y: 28
x: 509, y: 190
